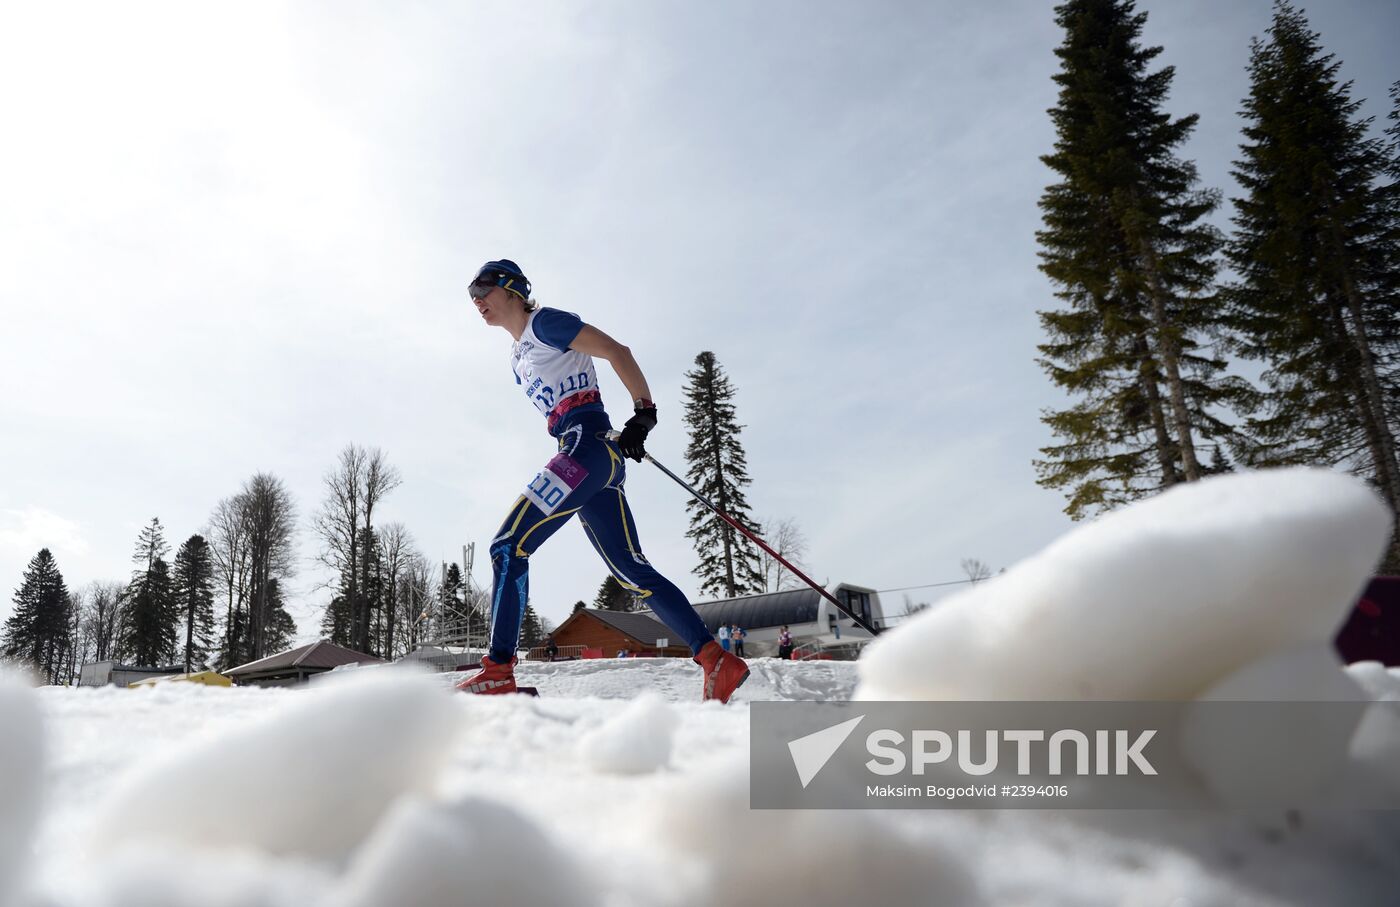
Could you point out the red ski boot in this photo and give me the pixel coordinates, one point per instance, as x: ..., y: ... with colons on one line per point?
x: 724, y: 672
x: 492, y: 678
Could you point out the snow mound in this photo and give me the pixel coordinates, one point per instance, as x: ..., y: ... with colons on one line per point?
x: 155, y: 874
x: 1375, y: 749
x: 1381, y: 684
x: 725, y: 853
x: 636, y: 741
x: 20, y: 762
x: 311, y: 778
x: 1318, y: 744
x: 472, y: 851
x: 1160, y: 600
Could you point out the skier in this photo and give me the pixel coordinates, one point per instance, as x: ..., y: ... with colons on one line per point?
x: 553, y: 362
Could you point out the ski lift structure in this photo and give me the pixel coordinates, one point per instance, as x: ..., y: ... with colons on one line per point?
x: 452, y: 640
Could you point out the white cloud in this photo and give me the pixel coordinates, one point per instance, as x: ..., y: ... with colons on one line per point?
x: 24, y: 532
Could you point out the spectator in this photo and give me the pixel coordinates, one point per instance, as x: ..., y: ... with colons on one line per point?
x: 736, y: 637
x: 785, y: 643
x: 723, y: 636
x: 551, y: 648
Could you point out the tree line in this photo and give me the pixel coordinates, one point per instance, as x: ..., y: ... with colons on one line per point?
x: 1156, y: 299
x: 165, y: 615
x: 221, y: 602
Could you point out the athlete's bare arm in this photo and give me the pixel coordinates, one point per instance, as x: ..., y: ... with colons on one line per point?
x: 595, y: 343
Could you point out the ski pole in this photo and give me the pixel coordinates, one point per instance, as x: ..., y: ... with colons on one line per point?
x: 864, y: 625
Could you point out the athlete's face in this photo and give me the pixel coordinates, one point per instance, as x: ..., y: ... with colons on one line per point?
x: 493, y: 306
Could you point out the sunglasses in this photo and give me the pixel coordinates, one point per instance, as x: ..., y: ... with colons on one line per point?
x: 484, y: 283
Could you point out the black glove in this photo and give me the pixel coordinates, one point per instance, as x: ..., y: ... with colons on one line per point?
x: 634, y: 433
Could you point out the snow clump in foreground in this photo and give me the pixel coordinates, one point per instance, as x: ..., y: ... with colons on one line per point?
x: 1159, y: 600
x: 19, y: 783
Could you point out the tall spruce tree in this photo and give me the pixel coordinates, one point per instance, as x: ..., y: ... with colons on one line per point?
x: 39, y: 631
x: 613, y: 596
x: 150, y: 612
x: 1126, y: 244
x: 150, y: 627
x: 335, y: 621
x: 729, y: 562
x: 270, y: 517
x: 1317, y: 256
x: 193, y: 591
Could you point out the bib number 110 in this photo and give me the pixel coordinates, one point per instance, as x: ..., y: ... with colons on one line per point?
x: 560, y: 476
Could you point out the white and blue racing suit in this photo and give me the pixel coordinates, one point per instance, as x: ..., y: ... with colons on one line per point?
x: 585, y: 477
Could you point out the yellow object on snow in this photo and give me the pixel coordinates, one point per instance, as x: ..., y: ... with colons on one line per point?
x: 208, y: 678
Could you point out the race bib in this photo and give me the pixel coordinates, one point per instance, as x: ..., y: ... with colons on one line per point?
x: 552, y: 487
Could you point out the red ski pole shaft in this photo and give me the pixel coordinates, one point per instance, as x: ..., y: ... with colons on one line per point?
x: 864, y: 625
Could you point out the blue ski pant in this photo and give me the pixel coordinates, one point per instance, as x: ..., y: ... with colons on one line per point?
x: 585, y: 477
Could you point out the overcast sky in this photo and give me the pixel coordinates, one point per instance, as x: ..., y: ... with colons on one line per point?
x: 237, y: 237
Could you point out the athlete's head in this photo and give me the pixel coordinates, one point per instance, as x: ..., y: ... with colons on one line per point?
x: 500, y: 287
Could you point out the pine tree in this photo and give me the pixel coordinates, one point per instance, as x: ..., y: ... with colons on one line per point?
x: 194, y: 595
x: 271, y: 519
x: 613, y: 596
x: 729, y: 562
x: 1127, y: 247
x: 39, y: 632
x: 149, y: 631
x: 531, y: 628
x: 150, y: 546
x: 1317, y: 255
x: 335, y: 622
x: 281, y: 628
x: 150, y: 611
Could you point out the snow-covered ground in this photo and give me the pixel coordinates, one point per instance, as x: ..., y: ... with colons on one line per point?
x: 617, y: 787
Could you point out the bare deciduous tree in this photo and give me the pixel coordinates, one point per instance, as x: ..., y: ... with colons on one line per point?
x: 98, y: 613
x: 337, y: 524
x: 380, y: 479
x: 228, y: 539
x: 786, y: 538
x: 417, y: 593
x: 361, y: 479
x: 395, y: 553
x: 975, y: 569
